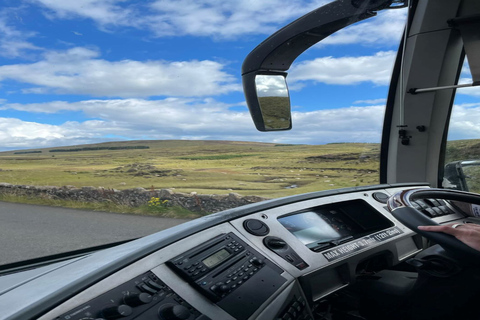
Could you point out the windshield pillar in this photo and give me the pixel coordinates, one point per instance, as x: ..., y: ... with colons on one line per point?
x: 433, y: 57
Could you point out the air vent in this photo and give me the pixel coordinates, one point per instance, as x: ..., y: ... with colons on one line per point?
x: 433, y: 207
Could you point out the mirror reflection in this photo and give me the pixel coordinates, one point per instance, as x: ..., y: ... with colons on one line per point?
x: 462, y: 175
x: 274, y: 101
x: 472, y: 177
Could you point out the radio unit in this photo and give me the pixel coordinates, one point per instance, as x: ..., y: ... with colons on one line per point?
x: 226, y: 268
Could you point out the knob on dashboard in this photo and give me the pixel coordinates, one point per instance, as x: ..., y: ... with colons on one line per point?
x: 220, y: 288
x: 275, y: 243
x: 137, y: 299
x: 170, y: 311
x: 117, y: 312
x: 257, y: 262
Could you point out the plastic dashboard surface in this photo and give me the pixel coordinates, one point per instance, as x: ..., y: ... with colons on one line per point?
x: 258, y: 269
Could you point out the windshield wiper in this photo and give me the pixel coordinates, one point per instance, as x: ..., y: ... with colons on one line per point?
x: 322, y: 245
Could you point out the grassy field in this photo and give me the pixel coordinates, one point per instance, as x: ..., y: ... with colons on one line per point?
x: 206, y: 167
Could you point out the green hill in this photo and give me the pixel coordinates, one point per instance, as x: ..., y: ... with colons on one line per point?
x: 208, y: 167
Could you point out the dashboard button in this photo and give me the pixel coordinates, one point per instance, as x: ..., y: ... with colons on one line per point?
x: 155, y: 285
x: 445, y: 210
x: 287, y: 316
x: 438, y: 211
x: 293, y: 312
x: 380, y: 197
x: 297, y: 306
x: 431, y: 212
x: 256, y: 227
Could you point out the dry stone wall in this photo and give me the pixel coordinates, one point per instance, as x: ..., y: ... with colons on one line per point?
x: 201, y: 203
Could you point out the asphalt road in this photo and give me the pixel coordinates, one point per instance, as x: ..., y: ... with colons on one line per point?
x: 30, y: 231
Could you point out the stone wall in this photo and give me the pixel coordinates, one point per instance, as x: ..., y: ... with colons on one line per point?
x: 201, y: 203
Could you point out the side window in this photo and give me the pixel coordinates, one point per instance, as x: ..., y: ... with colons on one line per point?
x: 462, y: 157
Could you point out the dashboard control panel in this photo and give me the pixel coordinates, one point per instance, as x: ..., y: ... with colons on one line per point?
x: 433, y: 208
x: 144, y: 297
x: 227, y: 271
x: 200, y: 261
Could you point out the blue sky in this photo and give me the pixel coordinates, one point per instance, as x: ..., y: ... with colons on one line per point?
x: 87, y: 71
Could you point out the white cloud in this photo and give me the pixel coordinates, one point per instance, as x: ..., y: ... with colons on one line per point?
x: 346, y: 70
x: 225, y: 19
x: 81, y: 71
x: 371, y: 101
x: 103, y: 12
x: 220, y: 19
x: 180, y: 118
x: 13, y: 42
x: 185, y: 17
x: 466, y: 68
x: 204, y: 119
x: 384, y: 29
x: 15, y: 133
x: 464, y: 122
x: 469, y: 91
x: 145, y: 115
x: 353, y: 124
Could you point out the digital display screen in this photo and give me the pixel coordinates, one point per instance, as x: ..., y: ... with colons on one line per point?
x: 216, y: 258
x: 339, y: 221
x: 314, y: 226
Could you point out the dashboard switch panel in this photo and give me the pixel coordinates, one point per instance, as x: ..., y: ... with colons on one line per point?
x: 144, y: 297
x: 296, y: 310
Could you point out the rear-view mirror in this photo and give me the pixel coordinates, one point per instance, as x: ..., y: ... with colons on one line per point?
x: 462, y: 175
x: 274, y: 101
x: 268, y: 100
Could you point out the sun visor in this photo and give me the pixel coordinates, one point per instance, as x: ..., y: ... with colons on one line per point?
x: 470, y: 30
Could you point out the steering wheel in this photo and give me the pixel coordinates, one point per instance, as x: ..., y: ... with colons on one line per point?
x: 401, y: 207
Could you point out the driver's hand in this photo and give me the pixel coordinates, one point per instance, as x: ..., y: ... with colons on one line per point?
x: 468, y: 233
